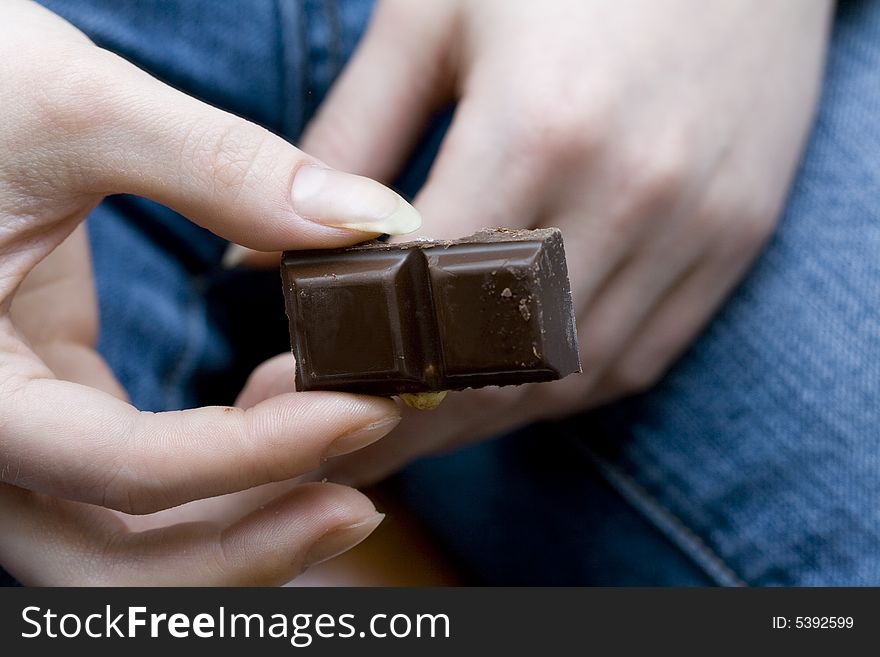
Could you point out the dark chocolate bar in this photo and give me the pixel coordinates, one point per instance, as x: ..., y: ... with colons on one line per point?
x: 385, y: 319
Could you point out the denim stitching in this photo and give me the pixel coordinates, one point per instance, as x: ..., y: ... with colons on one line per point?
x: 293, y: 53
x: 664, y: 520
x: 281, y: 56
x: 335, y: 47
x: 194, y: 343
x: 307, y: 82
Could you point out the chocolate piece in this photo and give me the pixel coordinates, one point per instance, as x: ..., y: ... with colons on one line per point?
x: 386, y: 319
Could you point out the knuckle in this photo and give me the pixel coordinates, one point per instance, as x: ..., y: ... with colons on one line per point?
x: 219, y: 558
x: 400, y: 12
x: 130, y: 483
x: 231, y: 155
x: 79, y: 91
x: 68, y: 100
x: 659, y: 178
x: 740, y: 225
x: 121, y: 491
x: 628, y: 220
x: 652, y: 185
x: 558, y: 131
x: 631, y: 377
x: 560, y: 399
x: 331, y: 135
x: 101, y: 565
x: 754, y: 228
x: 599, y: 339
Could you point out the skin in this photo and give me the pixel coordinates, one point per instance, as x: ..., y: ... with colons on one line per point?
x: 661, y: 137
x: 93, y: 491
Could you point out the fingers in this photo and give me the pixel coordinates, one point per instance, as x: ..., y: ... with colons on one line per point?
x: 398, y: 77
x: 72, y: 361
x: 70, y: 441
x: 623, y: 302
x: 274, y: 377
x: 57, y: 301
x: 55, y: 309
x: 49, y: 541
x: 606, y: 229
x: 673, y: 324
x: 462, y: 417
x: 473, y: 183
x: 117, y: 129
x: 239, y: 180
x: 84, y: 124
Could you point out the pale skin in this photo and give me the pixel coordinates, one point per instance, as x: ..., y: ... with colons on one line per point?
x: 93, y: 491
x: 660, y: 137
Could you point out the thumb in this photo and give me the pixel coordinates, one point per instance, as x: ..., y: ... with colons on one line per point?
x: 401, y: 73
x: 226, y: 174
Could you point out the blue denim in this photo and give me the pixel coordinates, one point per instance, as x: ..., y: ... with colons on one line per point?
x: 756, y: 461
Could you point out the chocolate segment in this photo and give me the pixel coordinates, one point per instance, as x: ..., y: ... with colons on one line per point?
x: 386, y: 319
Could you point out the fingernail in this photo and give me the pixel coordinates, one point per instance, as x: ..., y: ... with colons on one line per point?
x: 340, y: 540
x: 360, y: 438
x: 235, y: 255
x: 344, y: 200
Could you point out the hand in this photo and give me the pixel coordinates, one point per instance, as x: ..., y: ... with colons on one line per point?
x: 78, y: 123
x: 660, y: 137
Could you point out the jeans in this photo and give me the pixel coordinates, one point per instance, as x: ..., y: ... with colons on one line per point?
x: 755, y: 461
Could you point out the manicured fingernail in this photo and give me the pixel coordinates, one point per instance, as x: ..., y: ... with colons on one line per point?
x: 360, y: 438
x: 343, y: 200
x: 235, y: 255
x: 341, y: 539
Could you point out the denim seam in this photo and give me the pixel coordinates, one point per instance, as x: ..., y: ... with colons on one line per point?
x: 281, y: 55
x: 188, y: 359
x: 664, y: 520
x: 335, y: 47
x: 293, y: 51
x: 306, y: 83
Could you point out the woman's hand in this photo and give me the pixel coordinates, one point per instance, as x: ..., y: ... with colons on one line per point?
x: 661, y: 137
x: 76, y: 124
